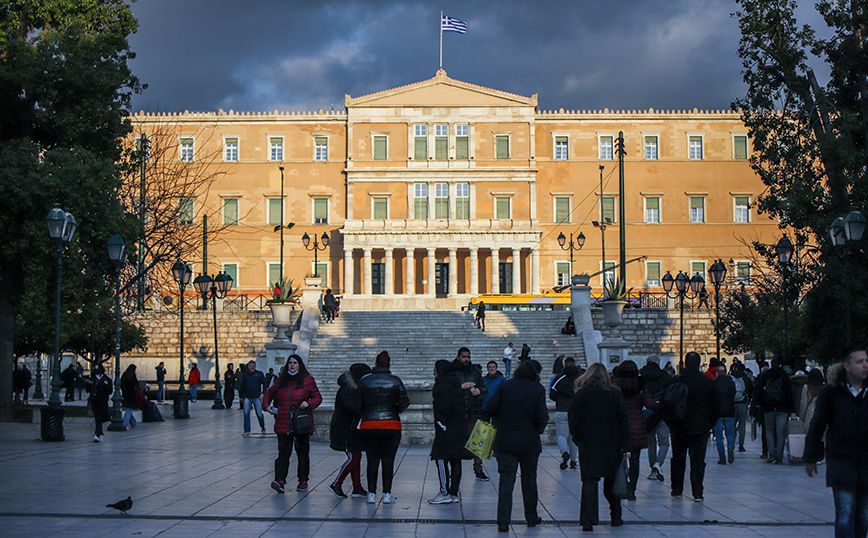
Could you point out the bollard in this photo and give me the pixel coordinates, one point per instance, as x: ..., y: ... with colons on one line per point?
x: 51, y: 424
x: 180, y: 406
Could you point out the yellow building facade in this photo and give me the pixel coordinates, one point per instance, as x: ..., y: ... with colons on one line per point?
x: 438, y: 191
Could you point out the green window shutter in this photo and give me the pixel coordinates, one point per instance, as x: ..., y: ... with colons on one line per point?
x: 185, y: 211
x: 231, y: 269
x: 380, y: 148
x: 696, y: 202
x: 740, y: 143
x: 420, y: 208
x: 501, y: 147
x: 461, y: 148
x: 274, y: 205
x: 322, y: 269
x: 652, y: 274
x: 320, y: 211
x: 609, y: 209
x: 440, y: 145
x: 441, y: 208
x: 381, y: 208
x: 273, y: 273
x: 420, y: 152
x: 562, y: 210
x: 462, y: 208
x: 230, y: 212
x: 502, y: 209
x: 652, y: 203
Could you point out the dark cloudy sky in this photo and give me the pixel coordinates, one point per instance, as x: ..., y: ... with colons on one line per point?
x: 262, y: 55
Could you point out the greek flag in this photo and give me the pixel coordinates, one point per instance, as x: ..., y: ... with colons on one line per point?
x: 451, y: 24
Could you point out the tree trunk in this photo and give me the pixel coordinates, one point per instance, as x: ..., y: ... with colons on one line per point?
x: 7, y: 350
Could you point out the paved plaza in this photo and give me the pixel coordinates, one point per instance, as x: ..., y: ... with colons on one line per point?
x: 200, y: 478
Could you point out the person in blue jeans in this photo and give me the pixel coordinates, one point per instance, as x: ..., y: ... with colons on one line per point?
x: 725, y: 425
x: 251, y: 387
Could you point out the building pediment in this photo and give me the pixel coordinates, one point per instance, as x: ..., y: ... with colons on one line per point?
x: 441, y: 91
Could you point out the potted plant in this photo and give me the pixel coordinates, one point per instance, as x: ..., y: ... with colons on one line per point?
x: 284, y: 299
x: 615, y: 295
x: 581, y: 279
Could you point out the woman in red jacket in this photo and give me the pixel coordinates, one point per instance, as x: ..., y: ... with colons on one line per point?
x: 295, y: 388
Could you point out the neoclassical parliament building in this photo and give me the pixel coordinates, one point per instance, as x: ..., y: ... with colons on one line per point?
x: 438, y: 191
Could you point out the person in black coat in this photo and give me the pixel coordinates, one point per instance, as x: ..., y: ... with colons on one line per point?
x: 229, y: 385
x: 519, y: 408
x: 691, y: 436
x: 99, y: 386
x: 68, y: 381
x: 725, y: 425
x: 450, y: 433
x: 600, y: 428
x: 842, y: 415
x: 773, y: 397
x: 474, y: 389
x: 343, y: 435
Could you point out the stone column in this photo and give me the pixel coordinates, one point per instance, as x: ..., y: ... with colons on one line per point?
x: 349, y: 276
x: 432, y: 288
x: 495, y: 270
x: 411, y: 271
x: 366, y: 268
x: 390, y: 273
x: 453, y: 271
x: 516, y: 270
x: 534, y: 271
x: 474, y: 271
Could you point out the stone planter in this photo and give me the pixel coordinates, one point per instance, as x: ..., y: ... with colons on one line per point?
x: 580, y: 280
x: 313, y: 281
x: 281, y: 317
x: 613, y: 312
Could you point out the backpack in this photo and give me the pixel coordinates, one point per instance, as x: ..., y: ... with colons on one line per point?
x: 740, y: 395
x: 774, y: 391
x: 673, y: 406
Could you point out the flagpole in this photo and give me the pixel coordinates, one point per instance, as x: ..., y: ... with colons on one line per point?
x: 441, y: 40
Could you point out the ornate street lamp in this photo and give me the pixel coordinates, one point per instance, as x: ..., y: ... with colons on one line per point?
x: 845, y: 232
x: 61, y: 228
x: 683, y: 288
x: 305, y: 239
x: 784, y: 251
x: 717, y: 274
x: 117, y: 252
x: 181, y: 272
x: 580, y: 241
x: 215, y: 288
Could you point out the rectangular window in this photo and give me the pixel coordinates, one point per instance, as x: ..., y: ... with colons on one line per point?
x: 322, y: 270
x: 739, y: 147
x: 320, y: 148
x: 651, y: 151
x: 230, y: 211
x: 420, y: 145
x: 698, y: 267
x: 607, y: 148
x: 742, y: 209
x: 273, y: 273
x: 380, y: 208
x: 697, y: 209
x: 185, y: 211
x: 230, y: 150
x: 501, y: 147
x: 501, y: 207
x: 275, y: 148
x: 608, y: 209
x: 695, y: 148
x: 380, y: 147
x: 562, y: 270
x: 420, y: 201
x: 441, y: 200
x: 274, y: 208
x: 652, y: 274
x: 652, y: 209
x: 742, y: 272
x: 562, y: 210
x: 186, y: 150
x: 441, y: 141
x: 231, y: 269
x: 462, y: 201
x: 320, y: 211
x: 562, y: 148
x: 461, y: 142
x: 609, y: 275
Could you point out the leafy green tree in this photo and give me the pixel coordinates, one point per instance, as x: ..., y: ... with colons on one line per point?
x: 809, y: 144
x: 65, y: 88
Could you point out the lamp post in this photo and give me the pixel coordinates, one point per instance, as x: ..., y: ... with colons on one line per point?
x: 682, y: 285
x: 845, y: 232
x: 784, y: 250
x: 215, y: 288
x: 562, y: 241
x: 281, y: 224
x: 61, y: 228
x: 117, y: 252
x: 181, y: 272
x: 717, y: 274
x: 305, y: 239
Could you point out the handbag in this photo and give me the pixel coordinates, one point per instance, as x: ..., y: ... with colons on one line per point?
x: 302, y: 421
x: 619, y: 488
x: 481, y: 440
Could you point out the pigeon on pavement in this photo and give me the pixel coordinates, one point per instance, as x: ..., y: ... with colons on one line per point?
x: 123, y: 505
